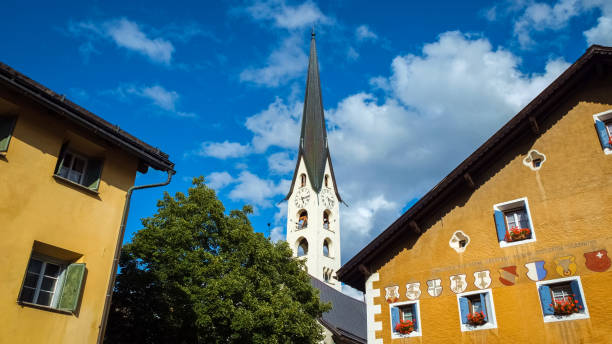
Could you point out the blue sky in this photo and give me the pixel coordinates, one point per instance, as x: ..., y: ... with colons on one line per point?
x: 410, y: 88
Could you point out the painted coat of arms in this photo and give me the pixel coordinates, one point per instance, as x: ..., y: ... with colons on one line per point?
x: 392, y: 294
x: 482, y: 279
x: 458, y: 283
x: 413, y: 291
x: 536, y: 271
x: 597, y: 260
x: 508, y: 275
x: 434, y: 287
x: 566, y: 266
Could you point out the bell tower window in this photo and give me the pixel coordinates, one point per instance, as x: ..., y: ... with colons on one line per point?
x: 326, y: 180
x: 326, y: 247
x: 302, y: 219
x: 326, y: 219
x: 302, y: 180
x: 302, y: 249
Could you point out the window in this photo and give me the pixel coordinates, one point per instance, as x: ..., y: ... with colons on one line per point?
x: 513, y: 223
x: 7, y: 124
x: 302, y: 180
x: 326, y: 247
x: 562, y: 299
x: 302, y: 220
x: 603, y: 125
x: 326, y: 219
x: 78, y: 168
x: 405, y: 319
x: 476, y: 310
x: 326, y: 181
x: 52, y: 283
x: 302, y: 249
x: 327, y: 274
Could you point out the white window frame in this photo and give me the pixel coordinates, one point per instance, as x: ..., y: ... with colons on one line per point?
x: 490, y: 306
x: 604, y: 117
x: 509, y: 205
x: 557, y: 318
x: 418, y: 333
x: 78, y: 156
x: 58, y: 284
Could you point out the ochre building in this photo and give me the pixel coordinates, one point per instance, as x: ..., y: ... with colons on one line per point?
x: 513, y: 245
x: 64, y: 176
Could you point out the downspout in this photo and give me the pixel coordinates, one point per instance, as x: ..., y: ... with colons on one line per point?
x: 111, y: 282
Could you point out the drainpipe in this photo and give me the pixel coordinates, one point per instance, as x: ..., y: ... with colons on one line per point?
x: 111, y: 282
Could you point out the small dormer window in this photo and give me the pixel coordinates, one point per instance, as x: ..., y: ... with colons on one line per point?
x: 302, y: 180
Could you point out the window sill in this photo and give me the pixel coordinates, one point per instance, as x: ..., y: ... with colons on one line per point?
x: 411, y: 334
x: 557, y: 318
x: 607, y: 151
x: 44, y: 308
x: 470, y: 328
x: 76, y: 185
x: 503, y: 243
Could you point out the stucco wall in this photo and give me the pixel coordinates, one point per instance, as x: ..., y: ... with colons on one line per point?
x: 570, y: 200
x: 36, y: 206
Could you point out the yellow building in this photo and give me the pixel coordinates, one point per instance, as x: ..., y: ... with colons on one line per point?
x: 512, y: 246
x: 64, y: 177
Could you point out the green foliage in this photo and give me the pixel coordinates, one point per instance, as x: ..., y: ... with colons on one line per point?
x: 195, y: 274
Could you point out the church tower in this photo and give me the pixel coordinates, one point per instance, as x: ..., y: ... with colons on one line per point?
x: 313, y: 219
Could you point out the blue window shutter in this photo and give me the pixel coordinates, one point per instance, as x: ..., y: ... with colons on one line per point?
x: 395, y: 317
x: 465, y: 309
x: 546, y: 300
x: 602, y: 132
x: 415, y: 313
x: 576, y: 291
x: 500, y: 224
x: 483, y: 306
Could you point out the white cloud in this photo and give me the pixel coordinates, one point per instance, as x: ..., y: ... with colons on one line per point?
x: 602, y: 32
x: 158, y: 96
x: 352, y: 292
x: 278, y: 125
x: 287, y: 16
x: 223, y: 150
x: 256, y: 191
x: 285, y: 63
x: 280, y: 163
x: 219, y: 180
x: 352, y: 54
x: 364, y: 33
x: 129, y: 35
x: 277, y: 234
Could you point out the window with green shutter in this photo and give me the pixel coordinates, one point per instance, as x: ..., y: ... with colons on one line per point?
x: 78, y: 168
x: 71, y: 289
x: 7, y: 124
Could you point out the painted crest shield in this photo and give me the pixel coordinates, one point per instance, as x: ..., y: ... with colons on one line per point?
x: 536, y: 271
x: 566, y: 266
x: 458, y: 283
x: 508, y: 275
x: 482, y: 279
x: 413, y: 291
x: 434, y: 287
x: 597, y: 261
x: 392, y: 294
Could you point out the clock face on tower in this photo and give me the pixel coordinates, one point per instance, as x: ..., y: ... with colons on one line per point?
x: 327, y: 197
x: 302, y: 197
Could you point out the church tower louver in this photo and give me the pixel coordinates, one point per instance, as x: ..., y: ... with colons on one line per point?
x: 313, y: 219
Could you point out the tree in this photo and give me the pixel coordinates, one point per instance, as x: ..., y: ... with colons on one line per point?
x: 194, y: 274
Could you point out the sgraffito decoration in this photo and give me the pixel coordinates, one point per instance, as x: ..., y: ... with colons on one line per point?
x: 458, y: 283
x: 392, y: 294
x: 413, y: 291
x: 508, y: 275
x: 482, y: 279
x: 566, y: 266
x: 536, y: 271
x: 434, y: 287
x: 597, y: 261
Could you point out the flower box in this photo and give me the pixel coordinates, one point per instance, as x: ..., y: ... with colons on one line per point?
x: 476, y: 318
x: 570, y: 306
x: 517, y: 234
x: 404, y: 327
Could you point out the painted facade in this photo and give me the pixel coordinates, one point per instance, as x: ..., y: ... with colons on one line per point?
x: 47, y: 217
x: 451, y: 256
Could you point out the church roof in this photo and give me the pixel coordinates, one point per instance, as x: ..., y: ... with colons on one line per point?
x: 347, y: 318
x: 596, y: 61
x: 313, y: 136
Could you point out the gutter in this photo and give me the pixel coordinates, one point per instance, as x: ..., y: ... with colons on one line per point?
x: 111, y: 281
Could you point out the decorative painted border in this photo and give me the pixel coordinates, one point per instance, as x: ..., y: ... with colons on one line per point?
x: 372, y: 309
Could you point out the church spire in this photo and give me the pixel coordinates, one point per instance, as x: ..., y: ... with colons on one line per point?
x: 313, y: 138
